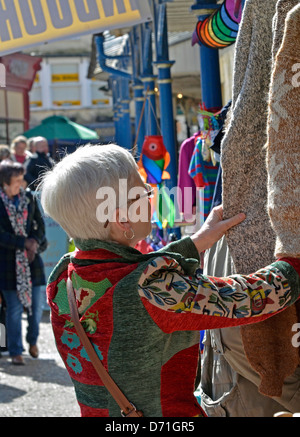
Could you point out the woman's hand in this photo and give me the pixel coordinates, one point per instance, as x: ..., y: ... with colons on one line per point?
x: 214, y: 228
x: 30, y: 256
x: 31, y: 244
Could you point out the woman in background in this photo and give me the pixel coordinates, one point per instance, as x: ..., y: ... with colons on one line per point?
x: 19, y: 150
x: 22, y: 234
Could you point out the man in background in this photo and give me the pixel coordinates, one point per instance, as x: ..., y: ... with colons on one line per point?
x: 40, y: 162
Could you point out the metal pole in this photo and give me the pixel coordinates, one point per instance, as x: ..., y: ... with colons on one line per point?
x: 209, y: 61
x: 167, y: 122
x: 165, y: 92
x: 138, y: 92
x: 114, y: 87
x: 125, y: 125
x: 148, y: 80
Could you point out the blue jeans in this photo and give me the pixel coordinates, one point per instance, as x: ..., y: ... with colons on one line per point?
x: 13, y: 323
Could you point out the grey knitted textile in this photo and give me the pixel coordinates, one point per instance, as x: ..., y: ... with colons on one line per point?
x: 282, y: 9
x: 246, y: 182
x: 252, y: 243
x: 283, y: 146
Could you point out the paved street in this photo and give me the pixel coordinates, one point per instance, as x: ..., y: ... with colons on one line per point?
x: 41, y: 388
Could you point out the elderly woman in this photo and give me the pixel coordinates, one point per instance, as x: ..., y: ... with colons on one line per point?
x: 142, y: 313
x: 19, y: 150
x: 22, y: 234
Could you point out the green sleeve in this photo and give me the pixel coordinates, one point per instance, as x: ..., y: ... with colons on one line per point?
x: 184, y: 247
x: 291, y: 275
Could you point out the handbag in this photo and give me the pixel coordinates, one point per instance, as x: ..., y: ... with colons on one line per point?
x: 128, y: 409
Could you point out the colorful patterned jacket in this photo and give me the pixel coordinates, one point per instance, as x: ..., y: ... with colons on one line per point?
x: 143, y: 314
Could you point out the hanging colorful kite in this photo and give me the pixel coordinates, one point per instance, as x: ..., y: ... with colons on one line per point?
x: 220, y: 29
x: 152, y: 165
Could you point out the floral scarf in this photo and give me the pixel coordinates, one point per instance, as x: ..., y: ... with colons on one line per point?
x: 18, y: 219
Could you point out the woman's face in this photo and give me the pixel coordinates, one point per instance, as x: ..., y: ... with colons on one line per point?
x: 134, y: 214
x: 20, y: 148
x: 139, y: 210
x: 16, y: 182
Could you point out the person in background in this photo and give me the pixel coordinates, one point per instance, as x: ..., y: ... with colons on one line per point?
x: 4, y: 152
x: 39, y: 162
x: 4, y: 155
x: 22, y: 235
x: 143, y: 313
x: 31, y: 146
x: 19, y: 150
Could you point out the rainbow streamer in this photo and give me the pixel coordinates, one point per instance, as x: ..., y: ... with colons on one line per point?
x: 220, y: 29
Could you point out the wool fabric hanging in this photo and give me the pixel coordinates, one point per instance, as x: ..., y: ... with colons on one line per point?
x: 283, y: 145
x: 245, y: 185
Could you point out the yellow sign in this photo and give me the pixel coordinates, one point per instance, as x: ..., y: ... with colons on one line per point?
x: 36, y: 103
x: 25, y: 23
x: 100, y: 101
x: 66, y: 102
x: 66, y: 77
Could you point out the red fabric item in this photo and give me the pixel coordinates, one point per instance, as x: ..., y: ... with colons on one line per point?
x: 92, y: 412
x: 191, y: 322
x: 144, y: 247
x: 171, y: 393
x: 20, y: 158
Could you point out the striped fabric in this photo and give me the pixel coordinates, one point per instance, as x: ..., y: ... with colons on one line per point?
x: 204, y: 173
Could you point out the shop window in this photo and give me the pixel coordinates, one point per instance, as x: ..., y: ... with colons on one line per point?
x: 12, y: 115
x: 2, y: 104
x: 15, y: 105
x: 67, y: 96
x: 3, y: 132
x: 15, y: 128
x: 66, y: 88
x: 98, y: 97
x: 35, y: 95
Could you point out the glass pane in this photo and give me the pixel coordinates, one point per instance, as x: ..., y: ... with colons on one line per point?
x: 15, y: 128
x: 15, y: 105
x: 66, y: 96
x: 98, y: 96
x: 3, y: 138
x: 35, y: 97
x: 2, y: 104
x: 65, y: 73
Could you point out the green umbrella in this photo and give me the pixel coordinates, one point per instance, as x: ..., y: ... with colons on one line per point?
x: 60, y: 127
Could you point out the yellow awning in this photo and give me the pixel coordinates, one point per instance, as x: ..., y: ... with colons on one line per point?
x: 26, y: 23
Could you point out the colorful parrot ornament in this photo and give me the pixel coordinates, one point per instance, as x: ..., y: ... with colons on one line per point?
x: 152, y: 165
x: 154, y: 160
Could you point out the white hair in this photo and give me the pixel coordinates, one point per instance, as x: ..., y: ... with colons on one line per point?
x: 68, y: 191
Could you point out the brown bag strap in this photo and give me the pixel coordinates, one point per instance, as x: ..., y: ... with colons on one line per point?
x: 127, y: 408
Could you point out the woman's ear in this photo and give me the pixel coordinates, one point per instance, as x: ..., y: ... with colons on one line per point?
x: 121, y: 220
x: 120, y: 227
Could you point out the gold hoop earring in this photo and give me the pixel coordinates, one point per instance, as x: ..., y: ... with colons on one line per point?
x: 131, y: 237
